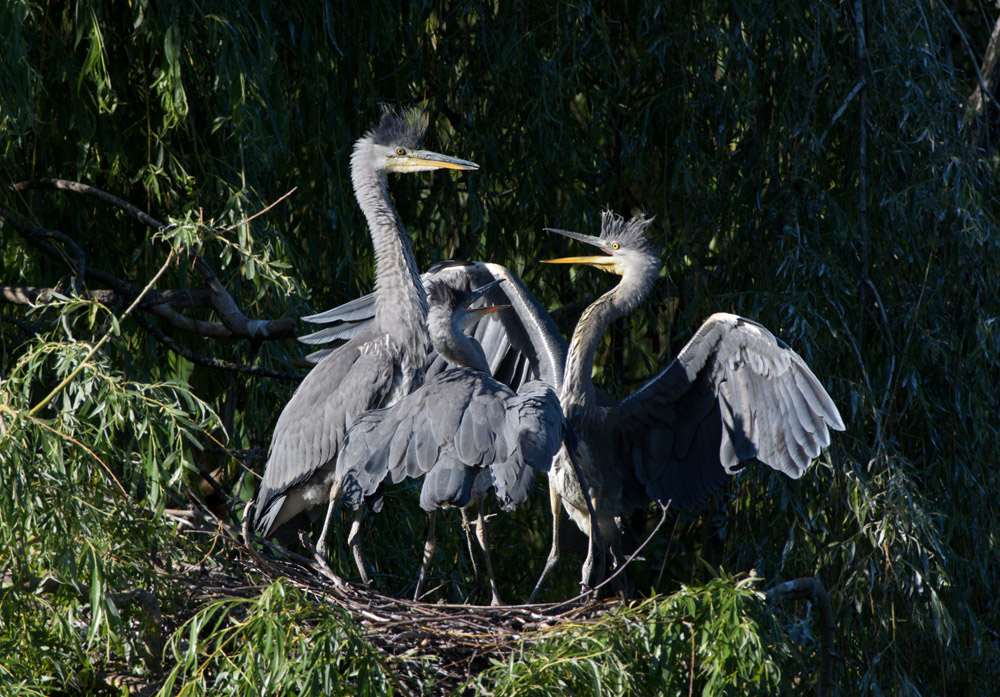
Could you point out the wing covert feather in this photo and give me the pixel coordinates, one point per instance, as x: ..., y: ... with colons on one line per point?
x: 733, y: 393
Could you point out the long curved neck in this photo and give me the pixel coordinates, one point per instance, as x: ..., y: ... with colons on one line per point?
x: 578, y: 387
x: 400, y: 303
x: 453, y: 344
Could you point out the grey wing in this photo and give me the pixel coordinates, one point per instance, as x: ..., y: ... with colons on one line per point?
x: 348, y: 320
x: 534, y: 428
x: 312, y: 425
x: 450, y: 421
x: 520, y: 344
x: 734, y: 393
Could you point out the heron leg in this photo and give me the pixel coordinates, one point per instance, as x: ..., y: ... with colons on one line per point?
x: 554, y: 503
x: 468, y: 541
x: 429, y: 546
x: 321, y: 545
x: 594, y: 537
x: 495, y: 601
x: 354, y: 542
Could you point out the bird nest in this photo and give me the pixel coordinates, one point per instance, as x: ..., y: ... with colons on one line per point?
x: 464, y: 639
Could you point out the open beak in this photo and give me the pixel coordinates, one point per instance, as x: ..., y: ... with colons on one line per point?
x: 427, y: 160
x: 607, y: 262
x: 480, y: 292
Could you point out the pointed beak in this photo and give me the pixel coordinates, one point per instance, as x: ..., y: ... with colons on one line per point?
x: 480, y: 292
x: 605, y: 262
x: 483, y: 290
x: 426, y: 160
x: 483, y: 311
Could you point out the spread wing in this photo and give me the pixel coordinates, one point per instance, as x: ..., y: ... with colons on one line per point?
x: 521, y: 344
x: 734, y: 393
x: 312, y: 425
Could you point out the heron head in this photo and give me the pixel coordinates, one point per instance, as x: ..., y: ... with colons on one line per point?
x: 623, y: 242
x: 394, y: 146
x: 458, y: 303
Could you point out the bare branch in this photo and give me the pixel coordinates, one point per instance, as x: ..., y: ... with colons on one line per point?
x: 210, y: 362
x: 86, y: 190
x: 212, y: 330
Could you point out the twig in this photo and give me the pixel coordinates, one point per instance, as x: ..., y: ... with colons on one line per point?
x: 261, y: 212
x: 621, y: 568
x: 843, y: 107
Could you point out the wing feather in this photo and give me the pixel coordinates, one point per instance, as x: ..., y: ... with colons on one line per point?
x: 733, y: 393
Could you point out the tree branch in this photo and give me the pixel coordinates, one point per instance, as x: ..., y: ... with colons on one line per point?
x: 812, y: 590
x: 236, y: 324
x: 174, y: 297
x: 77, y: 187
x: 222, y: 302
x: 208, y: 361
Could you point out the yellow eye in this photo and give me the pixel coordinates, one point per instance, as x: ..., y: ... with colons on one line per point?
x: 400, y: 151
x: 614, y: 245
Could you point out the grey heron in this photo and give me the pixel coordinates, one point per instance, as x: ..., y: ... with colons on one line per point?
x: 381, y: 363
x: 732, y: 394
x: 463, y: 431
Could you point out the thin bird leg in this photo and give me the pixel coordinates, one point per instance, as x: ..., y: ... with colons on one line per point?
x: 555, y: 502
x: 595, y: 538
x: 334, y: 495
x: 354, y: 542
x: 495, y: 601
x: 429, y: 546
x: 468, y: 541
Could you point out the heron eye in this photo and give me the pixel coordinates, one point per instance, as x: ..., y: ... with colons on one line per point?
x: 614, y: 245
x: 400, y: 151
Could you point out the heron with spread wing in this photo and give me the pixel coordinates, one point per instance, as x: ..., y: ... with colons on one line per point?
x: 734, y: 393
x: 382, y: 362
x: 463, y: 431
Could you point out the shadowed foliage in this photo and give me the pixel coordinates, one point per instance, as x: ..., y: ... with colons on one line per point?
x: 812, y: 166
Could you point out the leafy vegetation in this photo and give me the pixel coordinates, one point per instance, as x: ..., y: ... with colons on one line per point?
x: 814, y: 166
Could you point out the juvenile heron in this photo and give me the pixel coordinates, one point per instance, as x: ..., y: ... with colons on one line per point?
x: 733, y: 393
x: 381, y: 363
x: 463, y: 432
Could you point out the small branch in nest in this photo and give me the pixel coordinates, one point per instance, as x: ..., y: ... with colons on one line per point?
x: 811, y: 589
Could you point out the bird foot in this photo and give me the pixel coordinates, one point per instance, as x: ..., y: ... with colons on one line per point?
x: 319, y: 559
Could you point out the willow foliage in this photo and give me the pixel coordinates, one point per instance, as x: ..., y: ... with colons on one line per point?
x: 811, y: 165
